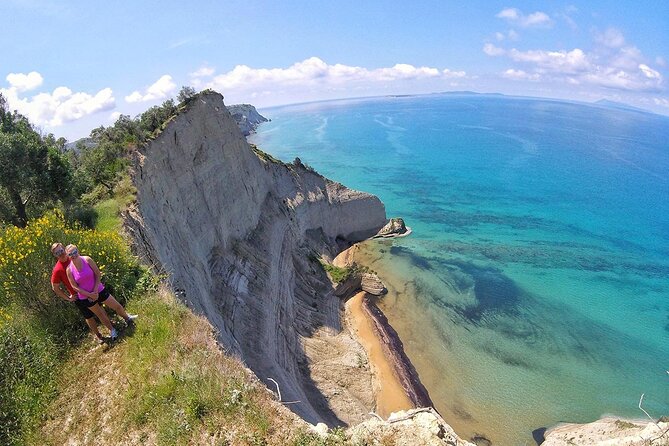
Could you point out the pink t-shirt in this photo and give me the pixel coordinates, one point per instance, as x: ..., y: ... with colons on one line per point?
x: 85, y: 278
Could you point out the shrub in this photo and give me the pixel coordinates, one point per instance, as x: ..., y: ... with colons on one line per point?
x: 81, y: 214
x: 25, y: 267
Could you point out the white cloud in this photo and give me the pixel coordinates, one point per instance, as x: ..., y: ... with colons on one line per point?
x: 520, y: 75
x: 449, y: 73
x: 516, y: 17
x: 611, y: 38
x: 160, y: 89
x: 113, y: 116
x: 661, y: 101
x: 561, y: 61
x: 55, y: 108
x: 492, y: 50
x: 621, y: 68
x: 314, y: 72
x: 511, y: 35
x: 203, y: 71
x: 25, y: 82
x: 649, y: 72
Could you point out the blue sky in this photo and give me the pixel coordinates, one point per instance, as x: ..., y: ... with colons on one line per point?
x: 72, y: 66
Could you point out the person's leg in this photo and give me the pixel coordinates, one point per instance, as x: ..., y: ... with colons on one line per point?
x: 89, y: 317
x: 102, y: 315
x: 117, y: 307
x: 93, y: 327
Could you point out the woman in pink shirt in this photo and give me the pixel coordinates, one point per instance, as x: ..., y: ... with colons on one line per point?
x: 85, y: 278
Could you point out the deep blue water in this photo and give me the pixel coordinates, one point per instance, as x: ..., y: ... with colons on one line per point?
x: 535, y: 286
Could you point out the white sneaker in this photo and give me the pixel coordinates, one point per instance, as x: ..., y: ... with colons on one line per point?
x: 130, y: 322
x: 113, y: 334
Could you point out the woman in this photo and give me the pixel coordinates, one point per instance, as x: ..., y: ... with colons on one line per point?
x: 84, y: 277
x: 59, y: 280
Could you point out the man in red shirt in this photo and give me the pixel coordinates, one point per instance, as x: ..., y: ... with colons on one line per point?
x: 59, y: 279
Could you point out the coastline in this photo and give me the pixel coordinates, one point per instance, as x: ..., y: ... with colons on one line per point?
x: 389, y: 394
x: 612, y: 430
x: 397, y: 384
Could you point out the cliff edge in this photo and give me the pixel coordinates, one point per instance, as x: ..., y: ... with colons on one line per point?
x: 239, y: 234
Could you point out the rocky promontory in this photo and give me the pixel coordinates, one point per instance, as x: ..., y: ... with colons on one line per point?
x: 247, y: 117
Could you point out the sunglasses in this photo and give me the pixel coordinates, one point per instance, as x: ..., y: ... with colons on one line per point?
x: 59, y: 252
x: 73, y: 253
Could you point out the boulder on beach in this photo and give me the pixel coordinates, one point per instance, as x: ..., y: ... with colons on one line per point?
x: 395, y: 226
x: 370, y: 283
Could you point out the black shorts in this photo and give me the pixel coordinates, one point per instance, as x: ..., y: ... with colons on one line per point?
x: 84, y: 305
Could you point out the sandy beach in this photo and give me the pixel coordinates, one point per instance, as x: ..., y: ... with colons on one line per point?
x: 390, y: 396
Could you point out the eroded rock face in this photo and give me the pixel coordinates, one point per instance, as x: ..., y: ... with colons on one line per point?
x: 237, y: 234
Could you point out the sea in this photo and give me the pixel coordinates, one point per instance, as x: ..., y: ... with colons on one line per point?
x: 534, y: 288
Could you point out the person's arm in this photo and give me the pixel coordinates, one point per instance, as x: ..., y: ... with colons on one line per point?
x: 59, y: 292
x: 96, y: 272
x: 75, y: 285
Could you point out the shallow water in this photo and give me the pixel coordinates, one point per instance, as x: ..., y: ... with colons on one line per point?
x: 535, y: 287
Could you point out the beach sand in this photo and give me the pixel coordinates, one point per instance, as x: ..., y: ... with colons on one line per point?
x: 390, y: 396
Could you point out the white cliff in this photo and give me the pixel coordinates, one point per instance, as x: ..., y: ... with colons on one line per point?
x: 239, y: 234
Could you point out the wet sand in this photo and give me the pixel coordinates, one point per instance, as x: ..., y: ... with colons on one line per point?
x: 390, y: 395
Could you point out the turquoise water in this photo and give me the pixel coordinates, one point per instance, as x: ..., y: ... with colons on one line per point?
x: 535, y: 287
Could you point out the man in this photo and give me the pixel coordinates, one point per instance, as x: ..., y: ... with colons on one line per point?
x: 59, y: 279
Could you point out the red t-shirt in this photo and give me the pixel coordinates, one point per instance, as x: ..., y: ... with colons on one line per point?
x: 59, y: 274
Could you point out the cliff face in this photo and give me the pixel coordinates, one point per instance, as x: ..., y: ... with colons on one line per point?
x: 238, y: 232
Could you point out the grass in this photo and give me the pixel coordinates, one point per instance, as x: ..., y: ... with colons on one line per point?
x: 107, y: 215
x: 167, y: 382
x: 337, y: 274
x: 622, y: 424
x: 109, y: 211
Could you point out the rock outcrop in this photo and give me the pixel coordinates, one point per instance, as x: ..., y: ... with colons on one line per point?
x: 610, y: 432
x: 393, y: 228
x: 370, y: 283
x: 247, y: 117
x: 238, y: 233
x: 423, y: 427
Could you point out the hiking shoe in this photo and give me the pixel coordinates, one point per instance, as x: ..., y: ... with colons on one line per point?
x: 101, y: 340
x: 114, y: 334
x: 130, y: 322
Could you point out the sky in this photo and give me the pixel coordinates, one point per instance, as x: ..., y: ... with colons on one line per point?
x: 71, y: 66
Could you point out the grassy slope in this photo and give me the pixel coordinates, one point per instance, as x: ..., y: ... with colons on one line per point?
x: 166, y: 382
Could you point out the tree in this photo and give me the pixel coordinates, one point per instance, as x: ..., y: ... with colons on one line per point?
x: 33, y: 173
x: 186, y: 94
x: 104, y: 164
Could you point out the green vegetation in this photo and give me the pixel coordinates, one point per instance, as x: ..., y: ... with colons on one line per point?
x: 31, y: 169
x: 38, y: 330
x: 622, y: 424
x: 266, y: 157
x: 338, y: 274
